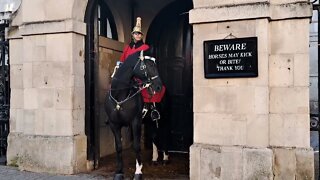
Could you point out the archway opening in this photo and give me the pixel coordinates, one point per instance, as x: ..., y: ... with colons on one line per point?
x: 102, y: 51
x: 170, y: 38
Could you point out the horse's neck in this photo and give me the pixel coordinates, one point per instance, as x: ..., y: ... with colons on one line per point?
x: 121, y: 83
x: 123, y: 75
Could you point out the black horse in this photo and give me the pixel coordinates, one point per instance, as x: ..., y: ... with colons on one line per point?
x: 124, y: 102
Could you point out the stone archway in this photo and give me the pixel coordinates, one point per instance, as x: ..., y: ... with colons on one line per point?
x: 95, y: 155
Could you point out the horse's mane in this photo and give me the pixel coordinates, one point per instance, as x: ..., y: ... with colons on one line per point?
x: 124, y: 73
x: 132, y: 59
x: 129, y: 62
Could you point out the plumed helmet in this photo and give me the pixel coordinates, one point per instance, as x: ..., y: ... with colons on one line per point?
x: 137, y: 28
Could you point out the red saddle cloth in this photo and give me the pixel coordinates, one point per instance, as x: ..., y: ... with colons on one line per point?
x: 157, y: 97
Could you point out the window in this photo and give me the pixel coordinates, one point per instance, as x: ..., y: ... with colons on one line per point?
x: 106, y: 24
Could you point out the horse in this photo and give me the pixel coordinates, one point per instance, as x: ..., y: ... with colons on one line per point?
x: 124, y: 103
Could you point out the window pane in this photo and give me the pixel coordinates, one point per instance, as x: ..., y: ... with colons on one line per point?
x: 99, y: 12
x: 99, y: 27
x: 106, y: 24
x: 109, y: 32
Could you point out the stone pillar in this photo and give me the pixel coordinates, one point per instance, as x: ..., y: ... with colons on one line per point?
x: 253, y: 128
x: 47, y: 87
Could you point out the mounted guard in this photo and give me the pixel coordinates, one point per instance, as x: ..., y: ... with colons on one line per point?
x: 124, y: 103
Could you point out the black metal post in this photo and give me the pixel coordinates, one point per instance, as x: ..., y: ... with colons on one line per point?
x: 2, y: 125
x: 4, y: 93
x: 315, y: 125
x: 90, y: 121
x: 317, y: 7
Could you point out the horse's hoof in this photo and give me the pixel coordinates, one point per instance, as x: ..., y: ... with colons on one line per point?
x: 137, y: 177
x: 165, y: 162
x: 118, y: 177
x: 154, y: 163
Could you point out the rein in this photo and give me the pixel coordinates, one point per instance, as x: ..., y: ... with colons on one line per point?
x: 119, y: 103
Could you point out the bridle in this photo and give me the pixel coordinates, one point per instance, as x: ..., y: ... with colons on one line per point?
x: 143, y: 85
x: 143, y: 66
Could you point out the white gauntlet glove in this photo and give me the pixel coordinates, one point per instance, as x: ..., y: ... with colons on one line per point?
x: 116, y: 68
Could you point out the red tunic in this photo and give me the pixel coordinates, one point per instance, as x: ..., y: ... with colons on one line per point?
x: 131, y: 50
x: 128, y: 51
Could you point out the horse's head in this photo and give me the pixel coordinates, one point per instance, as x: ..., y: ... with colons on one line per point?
x: 146, y: 70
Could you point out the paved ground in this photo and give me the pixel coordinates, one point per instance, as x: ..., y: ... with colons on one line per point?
x: 11, y: 173
x: 177, y: 169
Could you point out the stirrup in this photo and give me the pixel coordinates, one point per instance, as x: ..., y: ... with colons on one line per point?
x: 155, y: 114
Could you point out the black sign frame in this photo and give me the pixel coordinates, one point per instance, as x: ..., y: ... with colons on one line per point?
x: 217, y: 65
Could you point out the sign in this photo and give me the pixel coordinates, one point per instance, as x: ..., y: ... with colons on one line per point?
x: 228, y: 58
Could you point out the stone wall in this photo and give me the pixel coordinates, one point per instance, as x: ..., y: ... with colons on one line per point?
x: 223, y: 162
x: 248, y: 128
x: 47, y: 89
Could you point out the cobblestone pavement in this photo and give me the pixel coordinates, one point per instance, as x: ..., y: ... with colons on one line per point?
x: 11, y: 173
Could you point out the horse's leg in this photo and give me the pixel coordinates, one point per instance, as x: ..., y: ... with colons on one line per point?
x: 165, y: 157
x: 165, y: 147
x: 165, y: 138
x: 136, y: 127
x: 117, y: 136
x: 155, y: 154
